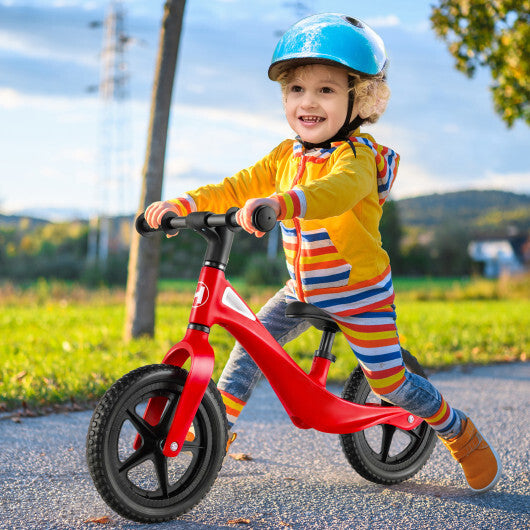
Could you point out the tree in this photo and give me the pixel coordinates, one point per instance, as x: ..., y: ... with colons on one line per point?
x: 493, y: 34
x: 145, y: 252
x: 391, y: 233
x: 449, y: 252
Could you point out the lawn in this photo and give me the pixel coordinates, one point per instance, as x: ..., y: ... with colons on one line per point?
x: 63, y: 344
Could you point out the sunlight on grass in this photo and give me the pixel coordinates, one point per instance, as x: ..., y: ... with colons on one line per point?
x: 65, y: 343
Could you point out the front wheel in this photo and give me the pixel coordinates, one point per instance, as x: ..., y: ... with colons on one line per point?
x: 385, y: 454
x: 124, y: 451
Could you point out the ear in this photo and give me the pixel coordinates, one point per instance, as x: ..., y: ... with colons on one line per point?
x: 367, y: 107
x: 356, y: 111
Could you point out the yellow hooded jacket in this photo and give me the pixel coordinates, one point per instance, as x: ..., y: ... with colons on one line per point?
x: 331, y: 201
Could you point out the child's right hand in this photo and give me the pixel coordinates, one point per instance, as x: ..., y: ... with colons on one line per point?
x: 155, y: 211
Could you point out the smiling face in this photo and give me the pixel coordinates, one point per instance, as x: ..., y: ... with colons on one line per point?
x: 316, y: 101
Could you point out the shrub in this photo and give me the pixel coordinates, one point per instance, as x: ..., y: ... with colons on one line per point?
x: 263, y: 271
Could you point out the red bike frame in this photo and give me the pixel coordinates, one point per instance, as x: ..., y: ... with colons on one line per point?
x: 304, y: 396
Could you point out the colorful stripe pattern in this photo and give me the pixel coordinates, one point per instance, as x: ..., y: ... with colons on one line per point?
x: 185, y: 204
x: 319, y: 156
x: 324, y: 275
x: 233, y: 406
x: 443, y: 419
x: 386, y: 161
x: 292, y: 204
x: 374, y: 339
x: 319, y: 263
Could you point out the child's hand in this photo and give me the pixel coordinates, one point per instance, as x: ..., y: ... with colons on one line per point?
x: 244, y: 215
x: 155, y: 211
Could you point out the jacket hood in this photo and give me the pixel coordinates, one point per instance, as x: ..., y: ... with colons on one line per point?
x: 386, y: 161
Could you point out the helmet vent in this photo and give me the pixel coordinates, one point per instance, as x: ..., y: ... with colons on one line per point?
x: 354, y: 22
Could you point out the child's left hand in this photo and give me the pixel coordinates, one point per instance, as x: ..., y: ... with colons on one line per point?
x: 244, y: 215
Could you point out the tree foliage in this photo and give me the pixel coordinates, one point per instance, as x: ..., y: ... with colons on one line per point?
x: 493, y: 34
x: 392, y: 233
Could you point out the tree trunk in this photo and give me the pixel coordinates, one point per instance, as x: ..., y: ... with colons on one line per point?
x: 145, y: 252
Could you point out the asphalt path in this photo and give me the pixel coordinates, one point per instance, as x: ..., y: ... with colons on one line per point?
x: 296, y: 479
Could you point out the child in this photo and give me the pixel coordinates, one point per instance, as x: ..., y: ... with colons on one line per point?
x: 328, y: 187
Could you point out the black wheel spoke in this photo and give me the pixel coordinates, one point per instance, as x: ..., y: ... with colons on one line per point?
x: 160, y: 462
x: 167, y: 416
x: 414, y: 434
x: 192, y: 447
x: 137, y: 458
x: 145, y: 430
x: 386, y: 441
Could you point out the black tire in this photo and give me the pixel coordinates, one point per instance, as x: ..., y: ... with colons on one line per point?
x: 385, y: 454
x: 142, y: 484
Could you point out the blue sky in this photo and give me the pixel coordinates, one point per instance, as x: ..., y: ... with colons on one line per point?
x: 226, y: 114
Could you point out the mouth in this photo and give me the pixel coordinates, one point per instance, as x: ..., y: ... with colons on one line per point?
x: 311, y: 119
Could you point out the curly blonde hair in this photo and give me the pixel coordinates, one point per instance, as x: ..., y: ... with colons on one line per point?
x: 371, y: 94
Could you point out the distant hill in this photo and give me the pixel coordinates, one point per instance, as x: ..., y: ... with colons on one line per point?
x: 21, y: 220
x: 480, y: 210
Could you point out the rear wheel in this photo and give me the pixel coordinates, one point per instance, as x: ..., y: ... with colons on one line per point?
x: 385, y: 454
x: 124, y: 451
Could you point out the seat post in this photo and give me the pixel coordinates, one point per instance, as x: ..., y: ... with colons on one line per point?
x: 326, y: 343
x: 323, y: 357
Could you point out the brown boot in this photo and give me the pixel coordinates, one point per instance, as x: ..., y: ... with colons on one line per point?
x: 481, y: 464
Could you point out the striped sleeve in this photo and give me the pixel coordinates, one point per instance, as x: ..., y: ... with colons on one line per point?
x: 185, y: 204
x: 292, y: 204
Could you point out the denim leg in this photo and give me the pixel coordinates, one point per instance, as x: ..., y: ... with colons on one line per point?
x: 241, y: 373
x: 420, y: 397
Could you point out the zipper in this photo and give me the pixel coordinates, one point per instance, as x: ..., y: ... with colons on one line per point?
x: 300, y: 172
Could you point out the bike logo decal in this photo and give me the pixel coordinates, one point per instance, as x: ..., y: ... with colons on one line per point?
x: 201, y: 295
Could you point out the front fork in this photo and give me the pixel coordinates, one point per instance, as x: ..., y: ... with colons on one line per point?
x: 194, y: 345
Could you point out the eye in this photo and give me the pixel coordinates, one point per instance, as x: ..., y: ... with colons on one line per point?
x: 295, y: 88
x: 327, y: 90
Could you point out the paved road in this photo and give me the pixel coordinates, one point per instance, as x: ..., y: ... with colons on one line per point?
x: 297, y: 479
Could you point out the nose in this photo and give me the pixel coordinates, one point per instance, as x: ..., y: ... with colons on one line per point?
x: 308, y: 101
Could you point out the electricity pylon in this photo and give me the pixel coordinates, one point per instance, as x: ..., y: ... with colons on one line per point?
x: 114, y: 146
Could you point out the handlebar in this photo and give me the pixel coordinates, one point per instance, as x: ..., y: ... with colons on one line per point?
x: 263, y: 219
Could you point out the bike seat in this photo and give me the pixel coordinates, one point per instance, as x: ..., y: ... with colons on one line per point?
x: 314, y: 315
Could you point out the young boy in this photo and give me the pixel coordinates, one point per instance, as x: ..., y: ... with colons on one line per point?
x: 327, y: 187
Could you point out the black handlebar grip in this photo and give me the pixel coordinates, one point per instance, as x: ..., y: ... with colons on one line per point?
x: 264, y: 218
x: 142, y: 227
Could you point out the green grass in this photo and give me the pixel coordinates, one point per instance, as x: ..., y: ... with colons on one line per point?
x: 62, y: 343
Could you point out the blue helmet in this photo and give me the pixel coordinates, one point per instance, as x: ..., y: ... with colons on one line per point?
x: 330, y: 38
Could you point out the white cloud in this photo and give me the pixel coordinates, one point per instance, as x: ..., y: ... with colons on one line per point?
x: 84, y: 155
x: 451, y: 128
x: 388, y: 21
x: 518, y: 182
x: 10, y: 99
x: 414, y: 179
x: 13, y: 99
x: 26, y: 45
x: 177, y: 166
x: 230, y: 118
